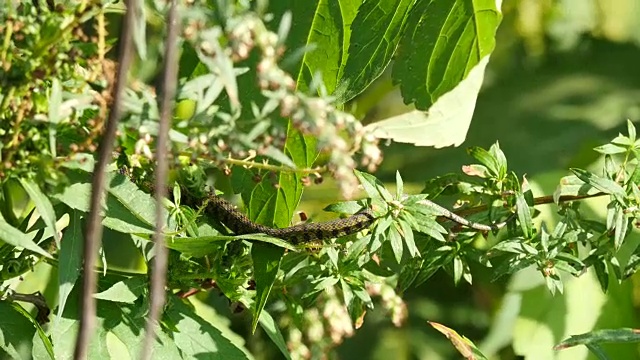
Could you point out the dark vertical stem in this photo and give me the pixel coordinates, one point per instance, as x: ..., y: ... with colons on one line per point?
x: 159, y: 270
x: 93, y: 231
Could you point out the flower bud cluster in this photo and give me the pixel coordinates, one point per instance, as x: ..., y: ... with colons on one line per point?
x: 325, y: 326
x: 312, y: 115
x: 391, y: 302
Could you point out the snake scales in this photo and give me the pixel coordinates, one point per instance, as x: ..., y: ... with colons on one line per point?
x: 240, y: 224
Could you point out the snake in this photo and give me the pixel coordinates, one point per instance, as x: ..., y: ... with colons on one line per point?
x: 236, y: 221
x: 227, y: 214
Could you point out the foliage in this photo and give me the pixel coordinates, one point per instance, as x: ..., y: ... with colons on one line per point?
x: 261, y: 113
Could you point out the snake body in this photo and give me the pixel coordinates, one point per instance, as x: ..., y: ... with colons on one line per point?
x: 240, y: 224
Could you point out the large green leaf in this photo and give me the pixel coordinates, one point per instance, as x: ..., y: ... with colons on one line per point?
x: 376, y: 31
x: 273, y: 331
x: 119, y: 333
x: 18, y: 331
x: 197, y: 338
x: 453, y: 36
x: 447, y: 121
x: 204, y: 245
x: 69, y: 260
x: 323, y: 27
x: 266, y: 263
x: 125, y: 291
x: 128, y: 209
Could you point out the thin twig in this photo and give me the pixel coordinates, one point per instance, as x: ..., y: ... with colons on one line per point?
x: 274, y: 168
x: 159, y: 270
x: 38, y: 300
x: 457, y: 216
x: 93, y: 231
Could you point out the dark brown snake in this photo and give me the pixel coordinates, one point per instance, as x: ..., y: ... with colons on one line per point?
x: 240, y: 224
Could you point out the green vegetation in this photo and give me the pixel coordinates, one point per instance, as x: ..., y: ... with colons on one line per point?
x: 276, y: 99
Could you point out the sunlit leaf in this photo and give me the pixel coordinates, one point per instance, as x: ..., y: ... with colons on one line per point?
x: 454, y: 37
x: 376, y: 31
x: 272, y: 330
x: 69, y: 261
x: 125, y: 291
x: 445, y: 124
x: 44, y: 206
x: 15, y: 237
x: 17, y: 331
x: 621, y: 335
x: 266, y: 263
x: 605, y: 185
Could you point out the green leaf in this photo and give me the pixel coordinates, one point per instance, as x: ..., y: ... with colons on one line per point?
x: 273, y: 331
x: 485, y: 158
x: 631, y: 129
x: 622, y: 141
x: 15, y: 237
x: 454, y: 36
x: 197, y: 338
x: 79, y: 161
x: 513, y: 265
x: 128, y: 209
x: 500, y: 158
x: 345, y: 207
x: 140, y: 31
x: 395, y: 239
x: 69, y: 261
x: 524, y: 215
x: 376, y: 32
x: 399, y: 186
x: 329, y: 34
x: 602, y: 273
x: 55, y: 116
x: 407, y: 234
x: 140, y: 204
x: 573, y: 186
x: 427, y: 225
x: 610, y: 149
x: 373, y: 187
x: 321, y: 284
x: 447, y: 121
x: 605, y: 185
x: 203, y: 245
x: 597, y: 351
x: 621, y: 227
x: 622, y: 335
x: 120, y: 329
x: 45, y: 209
x: 76, y: 196
x: 266, y: 263
x: 17, y: 331
x: 458, y: 269
x: 126, y: 291
x: 515, y: 246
